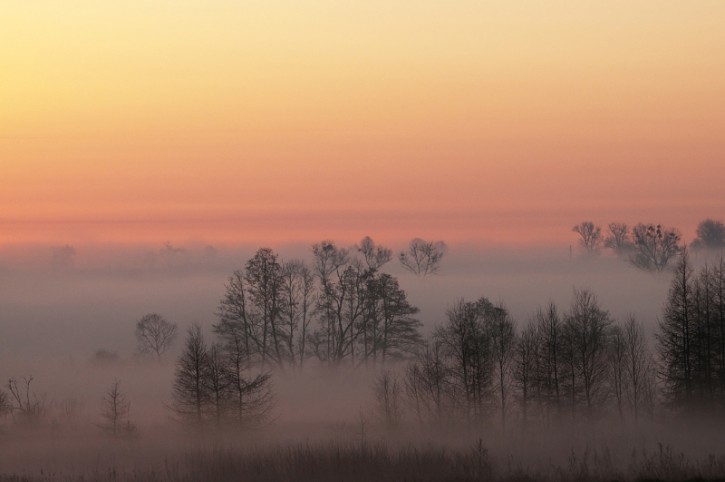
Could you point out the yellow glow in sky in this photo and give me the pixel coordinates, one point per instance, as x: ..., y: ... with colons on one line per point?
x: 226, y: 121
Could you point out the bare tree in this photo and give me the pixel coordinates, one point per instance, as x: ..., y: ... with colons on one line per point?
x: 24, y: 402
x: 654, y: 246
x: 619, y: 239
x: 503, y: 338
x: 423, y: 257
x: 388, y: 398
x: 155, y: 334
x: 618, y: 363
x: 588, y: 330
x: 297, y: 291
x: 375, y: 256
x: 590, y: 236
x: 115, y: 411
x: 190, y: 393
x: 525, y: 368
x: 710, y: 235
x: 637, y: 367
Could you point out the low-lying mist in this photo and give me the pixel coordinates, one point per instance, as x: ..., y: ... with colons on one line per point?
x: 67, y: 320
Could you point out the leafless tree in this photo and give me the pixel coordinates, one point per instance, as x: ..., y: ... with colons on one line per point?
x: 190, y: 394
x: 551, y: 349
x: 525, y: 369
x: 618, y: 239
x: 423, y: 257
x: 638, y: 364
x: 115, y: 411
x: 503, y: 338
x: 24, y: 402
x: 428, y: 386
x: 710, y: 235
x: 155, y: 334
x: 590, y: 236
x: 297, y: 307
x: 654, y: 246
x: 587, y: 330
x: 618, y: 363
x: 375, y: 256
x: 388, y: 397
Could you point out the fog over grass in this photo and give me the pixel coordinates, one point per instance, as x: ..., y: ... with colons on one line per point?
x: 55, y: 319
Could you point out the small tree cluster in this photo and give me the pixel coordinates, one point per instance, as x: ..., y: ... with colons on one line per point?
x: 691, y: 337
x: 579, y: 362
x: 343, y: 308
x: 155, y: 335
x: 214, y: 386
x: 650, y: 247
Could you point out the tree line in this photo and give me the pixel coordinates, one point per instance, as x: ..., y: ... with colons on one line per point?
x: 648, y: 246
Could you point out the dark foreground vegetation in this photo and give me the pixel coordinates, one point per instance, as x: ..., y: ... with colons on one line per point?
x: 328, y: 462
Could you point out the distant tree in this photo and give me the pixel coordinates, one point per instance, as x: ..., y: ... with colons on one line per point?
x: 115, y: 411
x: 155, y: 334
x: 375, y: 256
x: 5, y: 406
x: 24, y: 402
x: 710, y: 235
x: 590, y: 236
x: 654, y: 246
x: 618, y: 239
x: 423, y: 257
x: 388, y: 392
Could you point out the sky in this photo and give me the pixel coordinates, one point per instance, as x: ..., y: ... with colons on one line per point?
x: 273, y: 121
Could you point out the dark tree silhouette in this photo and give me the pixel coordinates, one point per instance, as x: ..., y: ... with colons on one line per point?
x: 618, y: 239
x: 375, y: 256
x: 590, y: 236
x: 710, y: 235
x: 155, y: 334
x: 423, y: 257
x: 654, y: 246
x: 115, y: 411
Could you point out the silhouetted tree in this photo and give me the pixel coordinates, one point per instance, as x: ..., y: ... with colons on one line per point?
x: 191, y: 394
x: 675, y: 339
x: 654, y: 246
x: 466, y: 340
x: 297, y: 304
x: 115, y: 411
x: 710, y: 235
x: 618, y: 239
x: 550, y: 352
x: 375, y: 256
x: 590, y: 236
x: 525, y: 369
x: 388, y: 392
x: 503, y: 340
x: 263, y: 276
x: 429, y: 387
x: 587, y: 330
x: 155, y: 334
x: 28, y: 406
x: 638, y: 367
x: 423, y: 257
x: 618, y: 362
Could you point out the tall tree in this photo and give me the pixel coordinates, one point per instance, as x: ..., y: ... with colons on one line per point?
x: 190, y: 392
x: 675, y: 338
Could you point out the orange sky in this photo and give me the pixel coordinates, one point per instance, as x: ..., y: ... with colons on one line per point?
x: 267, y: 121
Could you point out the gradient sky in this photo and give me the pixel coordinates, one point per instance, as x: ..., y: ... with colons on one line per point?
x: 221, y: 121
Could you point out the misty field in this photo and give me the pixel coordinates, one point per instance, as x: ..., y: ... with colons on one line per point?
x: 414, y: 377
